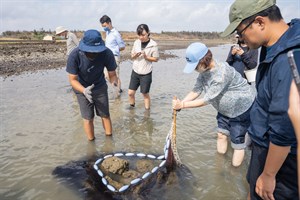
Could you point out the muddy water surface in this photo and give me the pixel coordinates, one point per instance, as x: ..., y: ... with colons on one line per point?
x: 41, y: 128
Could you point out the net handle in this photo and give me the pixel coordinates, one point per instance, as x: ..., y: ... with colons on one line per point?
x: 174, y: 117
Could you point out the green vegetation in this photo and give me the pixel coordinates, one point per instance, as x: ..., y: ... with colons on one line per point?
x: 27, y: 35
x: 194, y: 34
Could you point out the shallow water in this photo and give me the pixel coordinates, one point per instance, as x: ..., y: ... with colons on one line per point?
x: 41, y: 128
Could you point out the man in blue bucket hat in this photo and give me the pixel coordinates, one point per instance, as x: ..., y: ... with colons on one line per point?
x: 85, y: 67
x: 272, y: 172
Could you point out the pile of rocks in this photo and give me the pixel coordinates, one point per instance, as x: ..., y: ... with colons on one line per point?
x: 118, y: 172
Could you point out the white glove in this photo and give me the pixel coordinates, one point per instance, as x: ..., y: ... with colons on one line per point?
x: 88, y: 93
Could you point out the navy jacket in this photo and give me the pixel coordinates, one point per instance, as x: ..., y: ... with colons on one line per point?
x: 247, y: 60
x: 269, y: 117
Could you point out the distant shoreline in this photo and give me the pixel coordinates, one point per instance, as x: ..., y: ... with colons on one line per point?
x: 19, y: 56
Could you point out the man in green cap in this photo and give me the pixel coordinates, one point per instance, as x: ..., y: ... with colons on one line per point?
x: 272, y: 172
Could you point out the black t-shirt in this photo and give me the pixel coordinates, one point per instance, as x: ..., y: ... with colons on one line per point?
x: 144, y: 44
x: 90, y: 71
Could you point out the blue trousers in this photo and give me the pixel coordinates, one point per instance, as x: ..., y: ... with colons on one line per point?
x: 235, y: 127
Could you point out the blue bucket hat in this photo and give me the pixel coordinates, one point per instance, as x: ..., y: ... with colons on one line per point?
x: 194, y: 53
x: 92, y: 42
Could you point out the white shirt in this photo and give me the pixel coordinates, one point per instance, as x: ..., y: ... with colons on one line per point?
x: 140, y: 65
x: 72, y: 42
x: 114, y: 41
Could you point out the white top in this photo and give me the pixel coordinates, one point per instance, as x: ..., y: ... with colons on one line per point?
x: 72, y: 42
x: 114, y: 41
x: 140, y: 65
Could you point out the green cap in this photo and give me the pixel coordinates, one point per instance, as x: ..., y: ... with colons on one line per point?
x: 242, y: 9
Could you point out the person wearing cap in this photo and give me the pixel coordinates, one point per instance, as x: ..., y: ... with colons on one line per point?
x: 272, y: 172
x: 72, y: 40
x: 144, y: 52
x: 114, y: 42
x: 241, y: 57
x: 85, y: 67
x: 227, y: 91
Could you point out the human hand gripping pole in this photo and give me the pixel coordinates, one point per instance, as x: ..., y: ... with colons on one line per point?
x: 177, y: 104
x: 88, y: 93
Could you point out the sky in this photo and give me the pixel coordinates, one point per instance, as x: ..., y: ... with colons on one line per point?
x: 159, y: 15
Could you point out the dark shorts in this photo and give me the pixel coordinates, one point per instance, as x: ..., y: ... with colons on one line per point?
x: 235, y: 127
x: 286, y: 178
x: 100, y: 105
x: 140, y: 80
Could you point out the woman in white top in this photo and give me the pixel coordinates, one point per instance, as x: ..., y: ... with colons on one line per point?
x: 144, y: 52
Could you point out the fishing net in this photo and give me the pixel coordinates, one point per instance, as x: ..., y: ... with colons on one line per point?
x: 120, y: 172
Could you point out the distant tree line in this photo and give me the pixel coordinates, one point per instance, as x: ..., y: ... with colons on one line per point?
x: 29, y: 35
x: 39, y: 34
x: 194, y: 34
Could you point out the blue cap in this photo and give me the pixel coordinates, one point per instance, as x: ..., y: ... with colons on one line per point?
x: 194, y: 53
x: 92, y: 42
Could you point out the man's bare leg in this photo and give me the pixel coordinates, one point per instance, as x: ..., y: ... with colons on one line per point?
x: 106, y: 122
x: 88, y: 126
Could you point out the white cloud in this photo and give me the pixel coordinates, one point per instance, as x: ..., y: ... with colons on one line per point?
x: 177, y: 15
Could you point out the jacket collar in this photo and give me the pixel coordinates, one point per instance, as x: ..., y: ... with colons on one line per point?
x: 290, y: 39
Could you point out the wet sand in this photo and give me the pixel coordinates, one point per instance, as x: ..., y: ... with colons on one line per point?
x: 17, y: 57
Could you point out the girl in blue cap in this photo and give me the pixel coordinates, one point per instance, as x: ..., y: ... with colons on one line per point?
x: 227, y: 91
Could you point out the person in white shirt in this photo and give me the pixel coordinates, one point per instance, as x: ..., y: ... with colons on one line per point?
x: 144, y: 52
x: 72, y: 40
x: 115, y: 43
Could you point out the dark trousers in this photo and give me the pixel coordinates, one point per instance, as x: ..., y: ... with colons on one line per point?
x: 286, y: 178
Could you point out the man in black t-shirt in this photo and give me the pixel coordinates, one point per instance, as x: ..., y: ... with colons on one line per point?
x: 85, y: 67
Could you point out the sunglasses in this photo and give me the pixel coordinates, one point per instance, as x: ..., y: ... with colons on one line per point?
x: 240, y: 33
